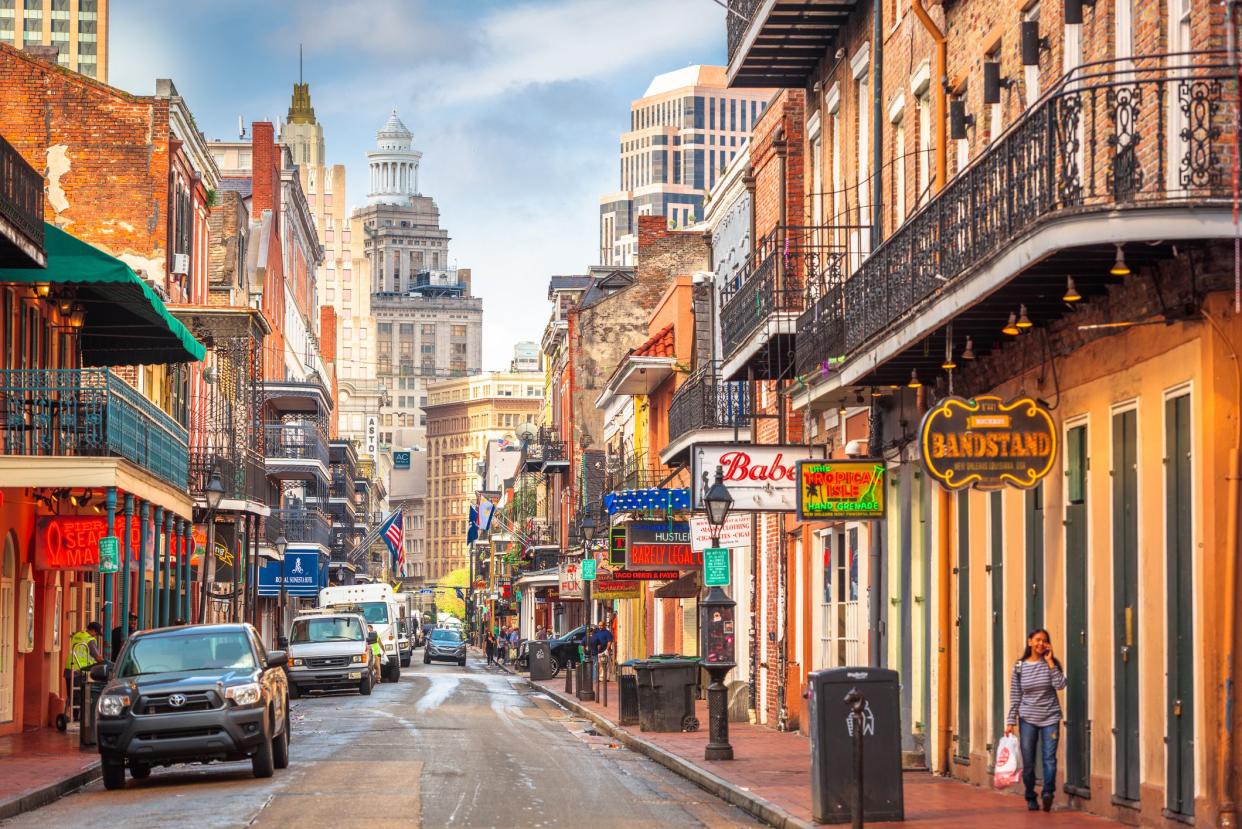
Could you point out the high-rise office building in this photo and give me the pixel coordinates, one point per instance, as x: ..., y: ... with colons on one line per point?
x: 683, y: 131
x: 428, y: 325
x: 526, y: 356
x: 77, y: 28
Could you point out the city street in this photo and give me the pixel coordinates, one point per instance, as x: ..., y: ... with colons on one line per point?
x: 445, y: 746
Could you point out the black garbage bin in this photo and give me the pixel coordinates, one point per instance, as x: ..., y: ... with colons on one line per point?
x: 90, y: 698
x: 832, y: 756
x: 539, y: 658
x: 627, y: 694
x: 666, y: 691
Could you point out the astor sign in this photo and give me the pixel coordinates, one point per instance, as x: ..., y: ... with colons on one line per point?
x: 760, y: 478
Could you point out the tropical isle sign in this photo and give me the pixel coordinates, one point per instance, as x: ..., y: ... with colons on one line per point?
x: 988, y: 443
x: 849, y: 489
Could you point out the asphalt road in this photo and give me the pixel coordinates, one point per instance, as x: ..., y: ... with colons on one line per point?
x: 446, y: 746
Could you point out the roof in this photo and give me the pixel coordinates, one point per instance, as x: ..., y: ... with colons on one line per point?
x: 242, y: 186
x: 126, y: 322
x: 568, y: 283
x: 658, y: 345
x: 695, y: 75
x: 394, y: 127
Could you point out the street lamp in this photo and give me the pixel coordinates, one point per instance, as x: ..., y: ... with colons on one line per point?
x: 716, y: 624
x: 213, y: 494
x: 281, y: 544
x: 589, y: 527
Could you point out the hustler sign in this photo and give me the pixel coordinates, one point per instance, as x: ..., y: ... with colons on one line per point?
x: 760, y: 478
x: 988, y: 443
x: 661, y: 545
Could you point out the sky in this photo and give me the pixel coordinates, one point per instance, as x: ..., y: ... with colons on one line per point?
x: 516, y: 105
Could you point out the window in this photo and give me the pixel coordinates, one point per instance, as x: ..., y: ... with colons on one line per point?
x: 922, y: 110
x: 1031, y: 73
x: 899, y: 173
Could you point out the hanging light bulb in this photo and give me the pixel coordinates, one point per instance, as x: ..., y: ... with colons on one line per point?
x: 1024, y: 322
x: 1071, y: 291
x: 1011, y: 327
x: 875, y: 392
x: 1120, y: 268
x: 948, y: 364
x: 968, y: 353
x: 914, y: 379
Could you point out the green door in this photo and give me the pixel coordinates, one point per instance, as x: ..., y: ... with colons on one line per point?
x: 996, y: 587
x: 1077, y: 726
x: 1034, y: 558
x: 962, y: 571
x: 1179, y: 593
x: 1125, y: 605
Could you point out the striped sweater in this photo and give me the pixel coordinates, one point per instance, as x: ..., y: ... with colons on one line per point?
x: 1033, y: 694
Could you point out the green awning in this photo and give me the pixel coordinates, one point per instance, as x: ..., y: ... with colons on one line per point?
x: 126, y: 321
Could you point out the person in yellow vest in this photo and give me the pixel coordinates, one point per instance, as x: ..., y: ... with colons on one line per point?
x: 83, y: 653
x: 376, y: 647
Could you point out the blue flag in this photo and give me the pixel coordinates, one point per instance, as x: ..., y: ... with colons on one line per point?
x: 472, y: 534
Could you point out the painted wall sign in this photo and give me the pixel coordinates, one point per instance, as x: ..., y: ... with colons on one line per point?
x: 760, y: 478
x: 849, y: 488
x: 988, y: 443
x: 660, y: 545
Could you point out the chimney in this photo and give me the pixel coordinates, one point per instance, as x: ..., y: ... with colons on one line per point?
x: 51, y: 54
x: 265, y: 171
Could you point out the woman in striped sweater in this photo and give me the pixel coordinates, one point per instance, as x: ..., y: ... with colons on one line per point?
x: 1035, y: 711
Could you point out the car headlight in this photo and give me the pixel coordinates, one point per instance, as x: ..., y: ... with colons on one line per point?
x: 113, y: 705
x: 248, y: 694
x: 295, y: 663
x: 359, y: 657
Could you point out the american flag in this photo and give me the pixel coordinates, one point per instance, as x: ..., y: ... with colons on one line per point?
x: 394, y: 537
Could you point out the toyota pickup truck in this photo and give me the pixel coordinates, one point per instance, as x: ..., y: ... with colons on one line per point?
x: 330, y: 652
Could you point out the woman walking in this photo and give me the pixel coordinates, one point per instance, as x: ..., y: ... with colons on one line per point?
x: 1035, y: 711
x: 490, y: 644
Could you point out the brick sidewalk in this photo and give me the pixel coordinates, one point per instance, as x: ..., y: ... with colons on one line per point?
x: 40, y: 765
x: 775, y: 767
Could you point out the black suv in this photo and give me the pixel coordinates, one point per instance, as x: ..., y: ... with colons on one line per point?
x: 192, y: 695
x: 564, y: 648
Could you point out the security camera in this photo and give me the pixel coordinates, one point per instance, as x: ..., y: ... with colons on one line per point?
x: 856, y: 449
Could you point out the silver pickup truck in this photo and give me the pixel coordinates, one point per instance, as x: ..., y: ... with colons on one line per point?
x: 330, y: 652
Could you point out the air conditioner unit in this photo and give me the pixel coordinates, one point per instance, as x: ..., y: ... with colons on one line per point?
x: 181, y: 264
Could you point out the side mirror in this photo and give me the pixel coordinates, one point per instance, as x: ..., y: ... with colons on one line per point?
x: 372, y: 637
x: 99, y: 672
x: 277, y: 659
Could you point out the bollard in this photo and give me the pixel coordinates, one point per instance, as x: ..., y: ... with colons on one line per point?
x: 856, y: 701
x: 603, y: 678
x: 569, y: 677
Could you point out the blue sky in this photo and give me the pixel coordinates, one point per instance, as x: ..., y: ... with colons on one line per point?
x: 517, y: 107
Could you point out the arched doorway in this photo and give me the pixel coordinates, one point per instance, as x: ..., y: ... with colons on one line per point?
x: 8, y: 626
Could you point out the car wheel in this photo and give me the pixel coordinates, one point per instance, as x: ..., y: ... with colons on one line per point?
x: 262, y: 763
x: 426, y: 659
x: 280, y: 748
x: 462, y: 662
x: 113, y: 774
x: 554, y: 665
x: 395, y: 671
x: 139, y: 771
x: 294, y: 693
x: 364, y: 687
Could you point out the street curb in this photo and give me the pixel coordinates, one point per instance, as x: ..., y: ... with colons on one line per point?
x: 50, y: 793
x: 754, y: 805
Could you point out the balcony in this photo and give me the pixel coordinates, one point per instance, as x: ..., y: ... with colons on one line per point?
x: 757, y: 316
x: 777, y: 43
x: 305, y: 525
x: 296, y: 450
x: 1137, y: 151
x: 242, y: 472
x: 89, y: 413
x: 705, y: 409
x: 633, y: 471
x: 546, y: 453
x: 21, y: 211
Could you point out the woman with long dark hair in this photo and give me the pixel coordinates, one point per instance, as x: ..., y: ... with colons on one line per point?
x: 1035, y: 712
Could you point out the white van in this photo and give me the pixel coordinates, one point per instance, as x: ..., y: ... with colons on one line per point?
x: 376, y: 602
x: 408, y: 633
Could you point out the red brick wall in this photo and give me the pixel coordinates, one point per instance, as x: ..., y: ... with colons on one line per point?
x: 265, y: 170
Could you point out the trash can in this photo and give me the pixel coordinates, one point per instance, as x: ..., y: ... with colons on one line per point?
x: 832, y: 755
x: 586, y: 687
x: 666, y: 691
x: 86, y: 725
x: 627, y: 694
x: 539, y: 657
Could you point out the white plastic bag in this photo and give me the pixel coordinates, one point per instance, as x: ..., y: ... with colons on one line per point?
x: 1008, y: 769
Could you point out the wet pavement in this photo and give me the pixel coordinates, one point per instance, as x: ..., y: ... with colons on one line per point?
x: 446, y: 746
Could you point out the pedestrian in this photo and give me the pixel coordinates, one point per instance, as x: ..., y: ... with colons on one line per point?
x: 376, y: 647
x: 542, y: 634
x: 118, y: 638
x: 1035, y: 712
x: 514, y: 640
x: 83, y: 653
x: 489, y: 642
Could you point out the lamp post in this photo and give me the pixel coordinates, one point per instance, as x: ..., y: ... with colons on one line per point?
x: 281, y: 544
x: 716, y: 625
x: 589, y: 527
x: 213, y: 494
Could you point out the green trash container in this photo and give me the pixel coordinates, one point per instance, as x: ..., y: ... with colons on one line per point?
x: 666, y: 690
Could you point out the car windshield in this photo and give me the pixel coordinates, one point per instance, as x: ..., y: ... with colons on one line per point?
x: 328, y: 629
x: 376, y: 613
x: 445, y: 636
x: 185, y: 653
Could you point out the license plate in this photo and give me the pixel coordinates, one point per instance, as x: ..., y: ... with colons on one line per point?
x: 355, y: 674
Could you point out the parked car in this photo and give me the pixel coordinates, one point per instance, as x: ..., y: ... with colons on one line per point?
x: 331, y: 652
x: 445, y: 645
x: 564, y: 648
x: 192, y: 694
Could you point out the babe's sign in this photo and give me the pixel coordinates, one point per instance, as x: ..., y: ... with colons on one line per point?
x: 761, y: 478
x: 71, y: 542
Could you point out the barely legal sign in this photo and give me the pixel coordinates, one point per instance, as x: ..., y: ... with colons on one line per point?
x: 660, y: 545
x: 760, y: 478
x: 849, y: 489
x: 988, y: 443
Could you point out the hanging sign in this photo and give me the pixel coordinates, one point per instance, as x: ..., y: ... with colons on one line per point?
x: 716, y: 567
x: 71, y: 542
x: 570, y: 581
x: 616, y: 546
x: 760, y: 478
x: 988, y: 443
x: 852, y: 488
x: 608, y: 587
x: 734, y: 534
x: 588, y: 569
x: 646, y: 575
x: 372, y: 436
x: 109, y: 554
x: 660, y: 545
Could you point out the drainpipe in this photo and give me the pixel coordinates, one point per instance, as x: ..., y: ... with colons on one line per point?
x: 877, y: 120
x: 1225, y: 769
x: 939, y: 92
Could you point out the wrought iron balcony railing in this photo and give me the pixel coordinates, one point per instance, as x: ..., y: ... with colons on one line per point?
x: 773, y: 284
x: 304, y: 525
x: 738, y: 19
x: 272, y: 527
x: 21, y: 194
x: 89, y: 412
x: 632, y: 471
x: 1142, y: 133
x: 704, y: 401
x: 240, y: 470
x: 296, y: 440
x: 546, y: 448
